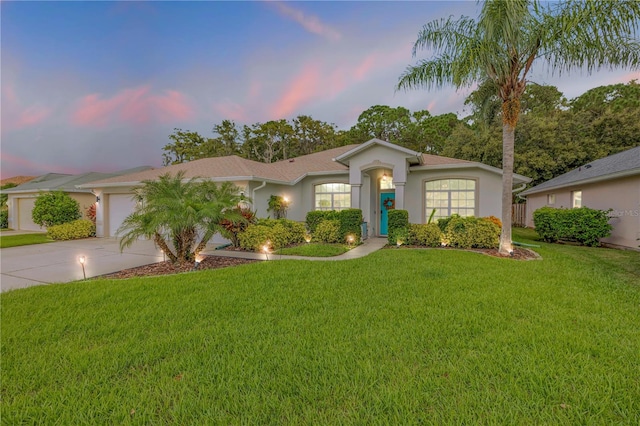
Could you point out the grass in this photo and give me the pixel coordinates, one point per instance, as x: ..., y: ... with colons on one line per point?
x: 315, y: 250
x: 23, y: 240
x: 397, y: 337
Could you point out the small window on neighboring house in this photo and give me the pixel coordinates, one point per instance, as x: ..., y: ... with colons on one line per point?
x: 551, y: 199
x: 333, y: 196
x: 576, y: 199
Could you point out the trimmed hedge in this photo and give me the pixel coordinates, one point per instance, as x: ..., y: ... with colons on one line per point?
x: 277, y: 233
x: 350, y: 221
x: 81, y: 228
x: 328, y: 231
x: 583, y: 225
x: 472, y: 232
x: 427, y: 235
x: 397, y: 225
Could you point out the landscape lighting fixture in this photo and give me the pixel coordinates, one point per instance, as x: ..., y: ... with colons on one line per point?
x: 265, y: 250
x: 82, y: 260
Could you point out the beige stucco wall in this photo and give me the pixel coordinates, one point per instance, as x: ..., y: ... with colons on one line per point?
x: 622, y: 195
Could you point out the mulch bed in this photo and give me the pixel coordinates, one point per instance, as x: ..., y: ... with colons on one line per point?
x: 166, y: 267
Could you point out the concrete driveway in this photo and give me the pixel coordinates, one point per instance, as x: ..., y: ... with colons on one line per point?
x: 57, y: 262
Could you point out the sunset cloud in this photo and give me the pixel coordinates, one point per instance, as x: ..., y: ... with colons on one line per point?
x: 304, y: 87
x: 309, y: 22
x: 136, y: 105
x: 15, y: 116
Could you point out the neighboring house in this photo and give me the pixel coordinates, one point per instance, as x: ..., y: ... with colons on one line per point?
x: 608, y: 183
x: 22, y: 198
x: 373, y: 176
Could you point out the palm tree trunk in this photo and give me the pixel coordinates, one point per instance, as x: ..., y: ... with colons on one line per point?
x: 508, y: 139
x: 160, y: 242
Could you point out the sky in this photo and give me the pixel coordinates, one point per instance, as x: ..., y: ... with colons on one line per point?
x: 100, y: 86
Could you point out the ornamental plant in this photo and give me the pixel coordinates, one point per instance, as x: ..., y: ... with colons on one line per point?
x: 55, y: 208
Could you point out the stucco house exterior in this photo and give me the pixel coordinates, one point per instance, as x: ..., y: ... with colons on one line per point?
x: 21, y: 199
x: 612, y: 182
x: 373, y: 176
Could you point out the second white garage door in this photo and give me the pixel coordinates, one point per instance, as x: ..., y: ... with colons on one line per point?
x: 120, y: 206
x: 25, y: 222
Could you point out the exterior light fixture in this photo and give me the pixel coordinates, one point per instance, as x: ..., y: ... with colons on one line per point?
x: 97, y: 198
x: 350, y: 239
x: 196, y: 265
x: 307, y: 238
x: 285, y: 199
x: 384, y: 177
x: 398, y: 242
x: 82, y: 261
x: 265, y: 250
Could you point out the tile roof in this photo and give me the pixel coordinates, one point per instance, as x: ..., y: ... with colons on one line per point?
x: 624, y: 163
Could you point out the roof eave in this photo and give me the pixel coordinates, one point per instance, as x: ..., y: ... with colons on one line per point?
x: 595, y: 179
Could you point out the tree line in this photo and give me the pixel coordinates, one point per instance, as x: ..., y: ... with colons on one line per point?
x: 554, y: 134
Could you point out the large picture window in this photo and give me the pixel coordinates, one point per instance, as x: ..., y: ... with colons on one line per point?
x: 449, y: 196
x: 333, y: 196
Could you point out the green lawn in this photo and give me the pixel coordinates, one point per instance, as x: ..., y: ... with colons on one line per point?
x: 23, y: 240
x: 315, y: 250
x: 398, y: 337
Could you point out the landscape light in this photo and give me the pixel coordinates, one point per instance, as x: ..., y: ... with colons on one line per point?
x: 197, y: 262
x: 350, y: 239
x: 82, y: 260
x: 265, y: 250
x: 307, y: 238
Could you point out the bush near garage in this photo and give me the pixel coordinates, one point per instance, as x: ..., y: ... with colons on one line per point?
x: 81, y: 228
x: 55, y: 208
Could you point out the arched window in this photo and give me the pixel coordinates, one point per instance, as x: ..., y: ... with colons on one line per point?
x: 449, y: 196
x: 333, y: 196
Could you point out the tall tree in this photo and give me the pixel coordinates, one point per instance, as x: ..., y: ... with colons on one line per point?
x: 500, y: 47
x: 187, y: 146
x: 312, y: 135
x: 227, y: 140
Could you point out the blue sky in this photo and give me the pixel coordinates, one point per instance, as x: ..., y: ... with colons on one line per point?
x: 99, y: 86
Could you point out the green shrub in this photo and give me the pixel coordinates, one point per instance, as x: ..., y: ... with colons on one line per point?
x: 314, y: 217
x: 427, y: 235
x: 350, y: 223
x: 4, y: 219
x: 81, y: 228
x: 278, y: 233
x: 328, y: 231
x: 55, y: 208
x: 398, y: 219
x: 472, y: 232
x: 444, y: 222
x: 583, y: 225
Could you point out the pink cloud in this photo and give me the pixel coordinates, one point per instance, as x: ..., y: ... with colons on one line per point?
x: 15, y: 116
x: 136, y: 105
x: 302, y: 89
x: 308, y: 22
x: 361, y: 70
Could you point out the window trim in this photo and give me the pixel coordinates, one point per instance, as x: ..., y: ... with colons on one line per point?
x: 329, y: 182
x: 573, y: 199
x: 476, y: 179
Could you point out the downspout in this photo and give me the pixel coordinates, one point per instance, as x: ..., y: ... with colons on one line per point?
x: 520, y: 188
x: 253, y: 193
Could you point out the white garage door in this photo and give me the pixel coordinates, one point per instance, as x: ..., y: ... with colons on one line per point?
x: 120, y: 206
x: 25, y: 208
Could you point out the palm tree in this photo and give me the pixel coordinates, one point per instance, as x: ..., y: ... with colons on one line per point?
x: 180, y: 215
x: 498, y: 50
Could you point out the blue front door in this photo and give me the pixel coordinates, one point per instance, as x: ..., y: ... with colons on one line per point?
x: 387, y: 202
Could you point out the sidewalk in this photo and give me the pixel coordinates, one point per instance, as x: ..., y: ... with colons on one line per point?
x: 367, y: 247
